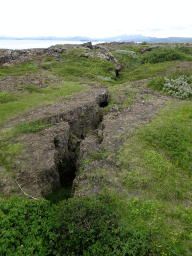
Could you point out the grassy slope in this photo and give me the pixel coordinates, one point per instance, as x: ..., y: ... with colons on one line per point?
x: 155, y: 160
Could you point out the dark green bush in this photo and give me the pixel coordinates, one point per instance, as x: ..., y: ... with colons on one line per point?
x: 26, y: 227
x: 80, y: 226
x: 90, y: 226
x: 156, y: 83
x: 162, y: 54
x: 144, y: 43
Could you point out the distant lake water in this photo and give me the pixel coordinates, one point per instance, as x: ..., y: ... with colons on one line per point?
x: 27, y: 44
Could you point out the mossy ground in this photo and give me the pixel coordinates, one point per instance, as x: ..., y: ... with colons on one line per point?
x: 154, y: 162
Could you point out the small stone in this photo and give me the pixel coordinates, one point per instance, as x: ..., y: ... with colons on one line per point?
x: 36, y: 82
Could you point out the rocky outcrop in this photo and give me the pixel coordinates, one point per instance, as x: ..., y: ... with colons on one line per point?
x: 88, y: 45
x: 55, y: 51
x: 12, y: 57
x: 104, y: 53
x: 150, y: 48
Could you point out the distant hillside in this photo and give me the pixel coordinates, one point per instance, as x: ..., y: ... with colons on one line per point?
x: 121, y: 38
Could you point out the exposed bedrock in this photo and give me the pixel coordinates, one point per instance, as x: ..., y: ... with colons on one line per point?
x: 12, y: 57
x: 150, y: 48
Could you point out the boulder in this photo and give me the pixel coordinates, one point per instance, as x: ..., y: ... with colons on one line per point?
x: 55, y: 51
x: 88, y: 45
x: 150, y: 48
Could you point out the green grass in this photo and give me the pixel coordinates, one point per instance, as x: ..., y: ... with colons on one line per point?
x: 9, y: 150
x: 76, y: 68
x: 156, y: 164
x: 19, y: 70
x: 6, y: 97
x: 26, y: 100
x: 143, y: 71
x: 30, y: 88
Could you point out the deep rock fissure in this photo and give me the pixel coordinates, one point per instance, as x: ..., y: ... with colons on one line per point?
x: 68, y: 166
x: 103, y: 104
x: 117, y: 73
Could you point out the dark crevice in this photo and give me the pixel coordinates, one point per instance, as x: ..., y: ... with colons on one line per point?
x: 56, y: 142
x: 67, y: 170
x: 67, y: 167
x: 117, y: 73
x: 103, y: 104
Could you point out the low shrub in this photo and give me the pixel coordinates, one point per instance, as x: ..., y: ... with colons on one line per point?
x: 25, y: 227
x: 180, y: 88
x: 156, y: 83
x: 144, y: 43
x: 163, y: 54
x: 90, y: 226
x: 86, y: 226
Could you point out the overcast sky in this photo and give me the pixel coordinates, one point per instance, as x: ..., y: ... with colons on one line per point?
x: 96, y: 19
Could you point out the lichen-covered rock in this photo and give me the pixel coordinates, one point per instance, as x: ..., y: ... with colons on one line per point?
x: 55, y: 51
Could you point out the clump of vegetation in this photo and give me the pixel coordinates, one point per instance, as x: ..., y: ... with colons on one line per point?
x: 90, y: 226
x: 25, y: 227
x: 59, y: 194
x: 163, y: 54
x: 144, y: 43
x: 156, y: 83
x: 180, y: 88
x: 79, y: 226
